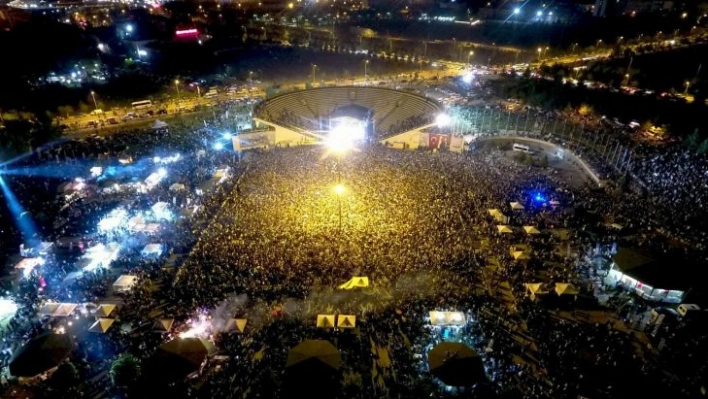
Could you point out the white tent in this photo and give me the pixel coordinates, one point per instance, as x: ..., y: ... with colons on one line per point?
x: 531, y: 230
x: 65, y: 309
x: 325, y: 321
x: 159, y: 124
x: 438, y: 318
x: 104, y: 310
x: 355, y: 282
x: 152, y: 250
x: 28, y: 264
x: 125, y: 282
x: 48, y: 309
x: 101, y: 325
x: 566, y: 289
x: 346, y: 321
x: 517, y: 206
x: 177, y: 187
x: 504, y: 229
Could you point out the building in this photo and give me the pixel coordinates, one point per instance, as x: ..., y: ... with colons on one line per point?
x: 651, y: 279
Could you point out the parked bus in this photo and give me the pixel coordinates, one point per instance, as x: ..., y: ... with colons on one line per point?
x: 142, y: 104
x: 522, y: 148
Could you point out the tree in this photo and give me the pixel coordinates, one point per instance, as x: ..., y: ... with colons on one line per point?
x: 125, y: 371
x: 693, y: 140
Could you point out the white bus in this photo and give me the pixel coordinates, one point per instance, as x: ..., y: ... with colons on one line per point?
x: 142, y: 104
x: 522, y: 148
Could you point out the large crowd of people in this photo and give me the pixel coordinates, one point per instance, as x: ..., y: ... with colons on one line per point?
x: 273, y: 242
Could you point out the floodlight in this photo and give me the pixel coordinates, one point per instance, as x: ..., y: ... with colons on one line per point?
x: 443, y: 120
x: 517, y: 10
x: 219, y: 146
x: 226, y: 135
x: 339, y: 189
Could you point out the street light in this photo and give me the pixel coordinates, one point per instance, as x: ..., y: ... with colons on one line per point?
x: 314, y: 73
x: 366, y: 65
x: 468, y: 58
x: 179, y: 96
x: 93, y: 96
x: 539, y: 54
x: 687, y: 84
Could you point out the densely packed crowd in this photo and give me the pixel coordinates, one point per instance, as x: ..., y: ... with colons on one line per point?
x: 273, y: 243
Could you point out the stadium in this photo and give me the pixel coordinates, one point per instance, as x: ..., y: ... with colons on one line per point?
x: 351, y: 113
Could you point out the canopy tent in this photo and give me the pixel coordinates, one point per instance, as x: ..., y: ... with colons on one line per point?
x: 178, y: 187
x: 181, y: 357
x: 28, y: 264
x: 48, y: 309
x: 312, y: 370
x: 498, y: 216
x: 456, y: 364
x: 163, y: 325
x: 504, y: 229
x: 101, y: 325
x: 159, y: 124
x: 40, y: 355
x: 565, y: 289
x: 154, y: 250
x: 238, y: 325
x: 314, y: 352
x: 530, y: 230
x: 104, y: 310
x: 325, y: 321
x: 355, y: 282
x: 346, y: 321
x: 125, y: 282
x: 516, y: 206
x: 438, y: 318
x: 65, y: 309
x: 535, y: 289
x: 520, y: 255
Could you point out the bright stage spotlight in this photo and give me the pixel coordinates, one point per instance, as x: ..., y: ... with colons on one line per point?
x: 24, y: 220
x: 443, y: 120
x: 344, y: 134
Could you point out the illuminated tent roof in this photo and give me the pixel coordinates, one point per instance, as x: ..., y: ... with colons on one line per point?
x: 101, y: 325
x: 535, y: 288
x: 65, y: 309
x: 355, y: 282
x: 456, y: 364
x: 516, y: 206
x: 438, y: 318
x: 531, y: 230
x: 504, y: 229
x: 159, y: 124
x: 238, y: 325
x: 41, y: 354
x: 325, y: 321
x: 498, y: 215
x: 104, y: 310
x: 314, y: 351
x: 566, y: 289
x: 27, y: 264
x: 48, y: 309
x: 520, y: 255
x: 346, y: 321
x: 163, y: 325
x: 125, y: 282
x: 182, y: 356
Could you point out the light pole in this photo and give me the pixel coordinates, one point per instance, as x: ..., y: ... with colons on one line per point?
x: 468, y: 58
x: 339, y: 190
x: 250, y: 77
x: 539, y: 54
x: 366, y: 65
x: 179, y: 95
x: 199, y: 93
x: 95, y: 105
x: 687, y: 84
x: 544, y: 52
x: 314, y: 73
